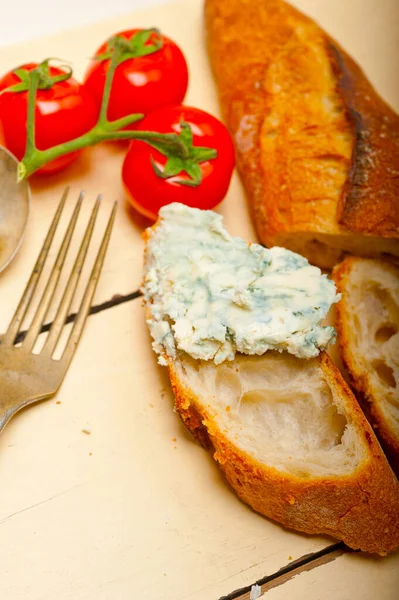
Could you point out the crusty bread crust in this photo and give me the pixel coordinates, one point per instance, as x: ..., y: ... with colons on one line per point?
x: 317, y: 148
x: 367, y: 394
x: 361, y: 509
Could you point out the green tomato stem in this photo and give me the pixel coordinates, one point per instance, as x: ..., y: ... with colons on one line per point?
x: 100, y: 133
x: 122, y: 122
x: 30, y: 122
x: 108, y: 83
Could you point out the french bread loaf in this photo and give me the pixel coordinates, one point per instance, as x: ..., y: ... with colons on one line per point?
x: 367, y: 319
x: 293, y: 443
x: 317, y: 148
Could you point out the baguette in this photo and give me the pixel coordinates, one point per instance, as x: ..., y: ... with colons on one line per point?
x: 286, y: 431
x: 317, y: 148
x: 368, y: 325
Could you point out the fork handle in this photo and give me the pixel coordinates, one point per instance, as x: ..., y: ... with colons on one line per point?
x: 9, y: 405
x: 15, y: 393
x: 5, y: 415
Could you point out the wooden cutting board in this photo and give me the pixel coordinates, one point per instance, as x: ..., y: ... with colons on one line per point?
x: 135, y: 509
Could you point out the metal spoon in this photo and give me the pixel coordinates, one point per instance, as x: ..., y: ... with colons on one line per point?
x: 14, y: 208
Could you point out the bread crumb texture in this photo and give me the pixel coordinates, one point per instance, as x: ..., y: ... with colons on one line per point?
x: 294, y: 444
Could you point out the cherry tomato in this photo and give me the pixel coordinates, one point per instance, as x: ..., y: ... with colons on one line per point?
x: 148, y: 192
x: 141, y: 84
x: 62, y: 113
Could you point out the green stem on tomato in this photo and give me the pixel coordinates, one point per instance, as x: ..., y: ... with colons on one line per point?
x: 108, y: 83
x: 32, y: 161
x: 30, y: 121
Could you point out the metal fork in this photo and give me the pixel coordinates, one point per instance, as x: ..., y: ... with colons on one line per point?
x: 25, y: 377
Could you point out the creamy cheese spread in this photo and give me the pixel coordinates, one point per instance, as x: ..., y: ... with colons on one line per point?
x: 212, y: 295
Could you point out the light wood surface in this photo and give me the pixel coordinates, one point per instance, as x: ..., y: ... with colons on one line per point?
x: 135, y: 509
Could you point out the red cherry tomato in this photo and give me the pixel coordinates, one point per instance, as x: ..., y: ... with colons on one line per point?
x: 141, y: 84
x: 62, y: 113
x: 148, y: 192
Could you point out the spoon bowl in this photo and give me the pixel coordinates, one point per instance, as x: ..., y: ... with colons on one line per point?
x: 14, y: 208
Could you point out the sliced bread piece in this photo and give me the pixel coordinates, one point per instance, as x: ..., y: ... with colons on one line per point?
x: 368, y: 325
x: 293, y: 443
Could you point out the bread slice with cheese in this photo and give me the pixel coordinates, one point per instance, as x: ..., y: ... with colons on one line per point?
x: 285, y: 429
x: 368, y: 326
x: 317, y: 147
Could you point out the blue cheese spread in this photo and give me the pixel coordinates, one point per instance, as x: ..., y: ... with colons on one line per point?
x: 211, y: 295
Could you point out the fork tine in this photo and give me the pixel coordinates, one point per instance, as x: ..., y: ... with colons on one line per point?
x: 89, y: 293
x: 13, y: 328
x: 62, y: 312
x: 51, y: 286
